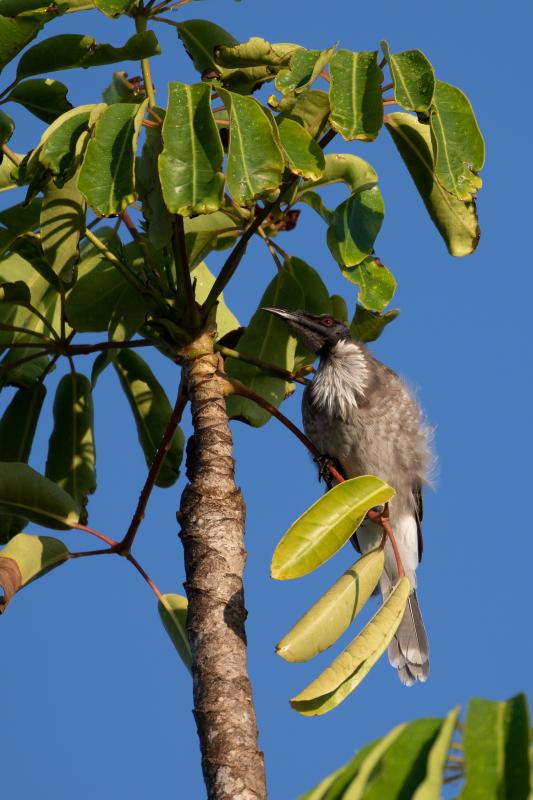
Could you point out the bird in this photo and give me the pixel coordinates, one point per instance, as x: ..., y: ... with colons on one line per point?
x: 361, y: 415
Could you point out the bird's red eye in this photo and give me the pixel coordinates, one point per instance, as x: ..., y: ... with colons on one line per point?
x: 327, y: 322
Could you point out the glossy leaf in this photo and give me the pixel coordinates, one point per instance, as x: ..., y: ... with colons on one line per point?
x: 354, y: 227
x: 122, y: 90
x: 430, y: 788
x: 58, y: 144
x: 346, y: 168
x: 16, y: 33
x: 349, y: 668
x: 305, y: 67
x: 316, y: 300
x: 62, y: 225
x: 113, y: 8
x: 25, y: 492
x: 413, y: 78
x: 25, y: 559
x: 304, y: 156
x: 200, y: 38
x: 71, y: 50
x: 71, y: 454
x: 376, y: 284
x: 497, y: 743
x: 191, y: 161
x: 326, y: 526
x: 12, y: 8
x: 204, y: 279
x: 456, y: 220
x: 255, y: 162
x: 367, y: 325
x: 355, y: 95
x: 458, y: 146
x: 151, y: 411
x: 106, y: 177
x: 7, y: 126
x: 17, y: 429
x: 43, y: 97
x: 310, y: 109
x: 330, y: 616
x: 269, y: 339
x: 173, y: 612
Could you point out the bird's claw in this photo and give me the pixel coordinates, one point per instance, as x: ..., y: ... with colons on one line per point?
x: 324, y: 463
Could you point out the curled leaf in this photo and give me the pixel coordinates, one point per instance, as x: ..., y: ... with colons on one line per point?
x: 173, y: 612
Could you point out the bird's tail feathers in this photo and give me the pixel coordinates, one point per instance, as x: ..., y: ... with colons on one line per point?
x: 409, y: 651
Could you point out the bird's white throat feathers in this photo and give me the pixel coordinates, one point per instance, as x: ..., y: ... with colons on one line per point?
x: 340, y: 379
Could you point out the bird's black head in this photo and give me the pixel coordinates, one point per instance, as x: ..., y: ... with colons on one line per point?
x: 317, y: 332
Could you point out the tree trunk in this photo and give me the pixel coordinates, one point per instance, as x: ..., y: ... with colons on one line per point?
x: 212, y: 533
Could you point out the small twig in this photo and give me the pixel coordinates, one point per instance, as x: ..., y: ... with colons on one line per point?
x: 326, y: 139
x: 165, y: 7
x: 111, y: 542
x: 145, y: 575
x: 264, y: 237
x: 382, y: 62
x: 164, y: 20
x: 27, y: 331
x: 387, y: 87
x: 146, y: 123
x: 13, y: 157
x: 138, y: 239
x: 456, y: 746
x: 325, y: 74
x: 390, y: 101
x: 181, y: 401
x: 283, y: 253
x: 452, y: 778
x: 85, y: 553
x: 141, y: 24
x: 124, y: 269
x: 182, y: 262
x: 86, y: 349
x: 264, y: 365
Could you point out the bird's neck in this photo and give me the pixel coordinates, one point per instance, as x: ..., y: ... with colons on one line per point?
x: 341, y: 379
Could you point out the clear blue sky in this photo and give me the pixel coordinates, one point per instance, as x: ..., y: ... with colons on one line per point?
x: 94, y: 700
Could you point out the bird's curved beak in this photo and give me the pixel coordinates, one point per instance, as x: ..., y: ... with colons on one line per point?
x: 281, y: 312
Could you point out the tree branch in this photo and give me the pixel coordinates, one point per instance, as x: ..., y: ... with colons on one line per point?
x: 141, y: 24
x: 264, y: 365
x: 181, y: 260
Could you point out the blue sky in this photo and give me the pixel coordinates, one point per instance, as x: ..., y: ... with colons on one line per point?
x: 95, y: 702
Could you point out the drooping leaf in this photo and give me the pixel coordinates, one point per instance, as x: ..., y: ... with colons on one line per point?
x: 330, y: 616
x: 497, y: 742
x: 15, y: 33
x: 305, y: 67
x: 17, y: 429
x: 25, y: 492
x: 456, y: 220
x: 106, y: 177
x: 62, y: 224
x: 347, y: 671
x: 367, y: 325
x: 12, y: 8
x: 200, y: 38
x: 413, y: 78
x: 44, y: 97
x: 431, y: 786
x: 173, y: 612
x: 25, y: 559
x: 226, y: 321
x: 376, y: 284
x: 269, y: 339
x: 191, y: 161
x: 113, y: 8
x: 458, y: 146
x: 71, y: 454
x: 304, y: 156
x: 355, y: 95
x: 326, y: 526
x: 7, y: 126
x: 151, y: 410
x: 71, y: 50
x: 354, y: 227
x: 310, y: 109
x: 255, y: 161
x: 346, y: 168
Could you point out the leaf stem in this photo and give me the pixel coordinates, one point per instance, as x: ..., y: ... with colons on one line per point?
x: 145, y: 575
x: 264, y: 237
x: 182, y: 263
x: 141, y: 24
x: 86, y: 349
x: 13, y: 157
x: 124, y: 270
x: 111, y: 542
x: 272, y: 368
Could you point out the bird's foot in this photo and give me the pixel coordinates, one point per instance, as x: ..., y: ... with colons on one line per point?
x: 324, y: 463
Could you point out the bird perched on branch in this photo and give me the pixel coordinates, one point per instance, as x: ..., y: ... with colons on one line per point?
x: 360, y: 414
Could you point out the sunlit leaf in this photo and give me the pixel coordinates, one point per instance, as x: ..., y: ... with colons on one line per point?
x: 255, y: 52
x: 346, y: 168
x: 123, y: 90
x: 367, y: 325
x: 376, y: 284
x: 339, y: 309
x: 173, y: 612
x: 431, y: 786
x: 347, y: 671
x: 333, y: 786
x: 355, y: 95
x: 310, y: 109
x: 456, y: 220
x: 208, y: 232
x: 7, y: 126
x: 25, y: 492
x: 204, y: 279
x: 413, y: 78
x: 330, y: 616
x: 58, y: 143
x: 44, y: 97
x: 200, y: 38
x: 113, y: 8
x: 304, y: 156
x: 354, y: 227
x: 305, y: 67
x: 7, y: 180
x: 25, y: 559
x: 326, y: 526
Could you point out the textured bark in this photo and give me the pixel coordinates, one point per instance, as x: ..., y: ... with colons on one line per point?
x: 212, y: 532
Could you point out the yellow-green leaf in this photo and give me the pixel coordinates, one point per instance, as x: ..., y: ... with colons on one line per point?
x: 330, y: 616
x: 327, y: 525
x: 304, y: 156
x: 173, y: 612
x: 62, y: 224
x: 413, y: 78
x: 351, y: 666
x: 355, y: 95
x: 24, y: 491
x: 26, y: 558
x: 430, y: 788
x: 226, y: 321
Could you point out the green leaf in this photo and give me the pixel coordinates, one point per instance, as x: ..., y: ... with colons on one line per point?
x: 208, y: 232
x: 355, y: 95
x: 458, y: 145
x: 12, y: 8
x: 497, y: 744
x: 339, y: 309
x: 58, y: 143
x: 44, y: 97
x: 151, y: 411
x: 71, y: 454
x: 25, y: 559
x: 316, y: 300
x: 330, y: 616
x: 303, y: 155
x: 113, y: 8
x: 17, y: 293
x: 376, y: 284
x: 255, y: 161
x: 7, y: 126
x: 16, y: 33
x: 148, y: 187
x: 200, y: 38
x: 346, y: 168
x: 107, y: 174
x: 269, y: 339
x: 456, y: 220
x: 173, y: 612
x: 334, y: 785
x: 17, y: 220
x: 367, y: 325
x: 24, y: 491
x: 354, y: 227
x: 413, y: 77
x: 122, y: 90
x: 204, y: 279
x: 326, y: 526
x: 347, y: 671
x: 305, y: 67
x: 6, y: 179
x: 254, y: 53
x: 71, y: 50
x: 17, y: 429
x: 62, y: 224
x: 191, y: 161
x: 430, y: 788
x: 310, y: 109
